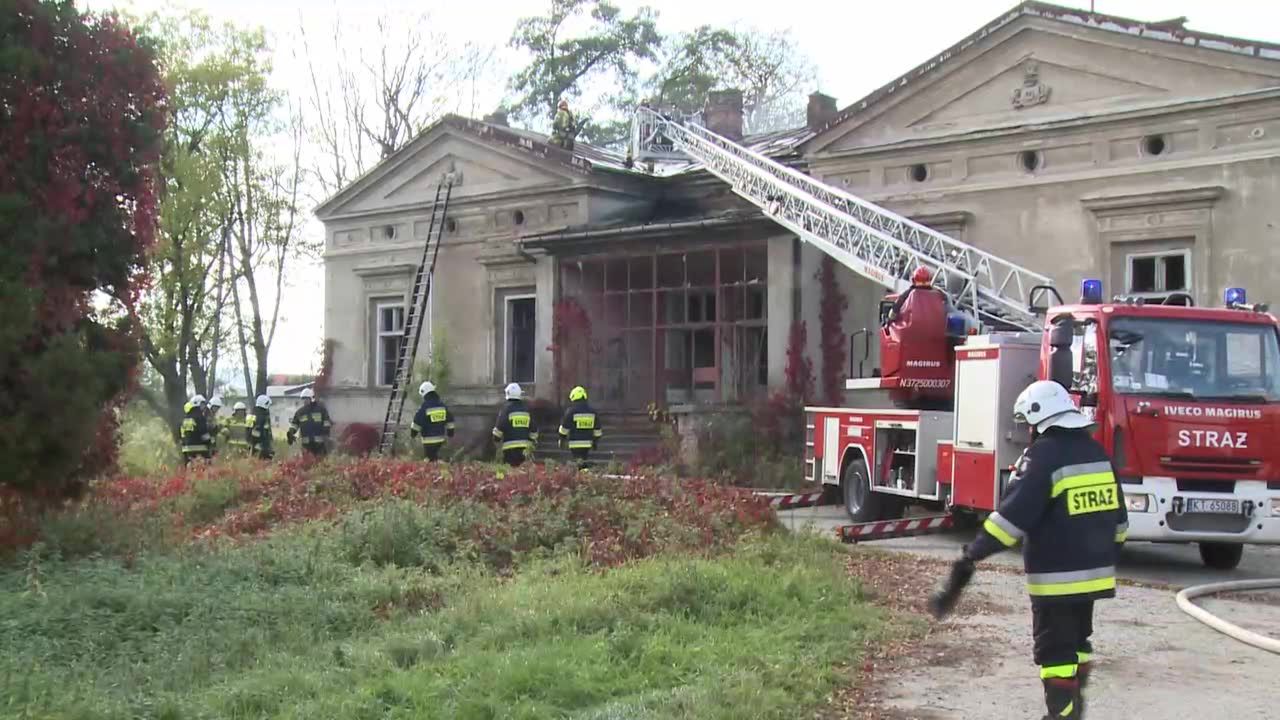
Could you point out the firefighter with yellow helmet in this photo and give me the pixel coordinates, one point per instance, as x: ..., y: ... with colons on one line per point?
x: 580, y: 428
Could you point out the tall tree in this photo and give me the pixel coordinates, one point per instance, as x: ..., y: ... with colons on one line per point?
x: 363, y: 106
x: 770, y: 69
x: 81, y: 117
x: 563, y: 64
x: 209, y: 69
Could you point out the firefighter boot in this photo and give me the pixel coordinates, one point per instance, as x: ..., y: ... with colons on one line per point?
x: 1062, y: 698
x: 1082, y: 674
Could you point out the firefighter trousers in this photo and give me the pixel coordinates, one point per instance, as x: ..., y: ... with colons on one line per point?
x: 431, y: 452
x: 1062, y: 649
x: 580, y: 456
x: 515, y: 457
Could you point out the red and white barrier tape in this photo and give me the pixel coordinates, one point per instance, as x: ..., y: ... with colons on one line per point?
x: 787, y: 502
x: 894, y: 528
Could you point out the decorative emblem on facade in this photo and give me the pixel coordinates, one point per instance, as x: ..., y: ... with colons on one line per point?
x: 1033, y: 92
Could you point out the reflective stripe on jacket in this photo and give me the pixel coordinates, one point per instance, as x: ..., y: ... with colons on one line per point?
x: 581, y: 426
x: 514, y: 428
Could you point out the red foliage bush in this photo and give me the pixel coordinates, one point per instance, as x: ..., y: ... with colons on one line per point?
x: 359, y: 439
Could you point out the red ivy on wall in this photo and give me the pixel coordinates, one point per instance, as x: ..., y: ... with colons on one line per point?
x: 571, y: 344
x: 799, y: 368
x: 831, y: 307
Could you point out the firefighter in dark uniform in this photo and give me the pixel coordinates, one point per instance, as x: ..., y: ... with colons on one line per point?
x: 514, y: 430
x: 433, y: 422
x: 215, y: 423
x: 1064, y: 503
x: 197, y: 441
x: 312, y: 422
x: 260, y: 439
x: 580, y: 428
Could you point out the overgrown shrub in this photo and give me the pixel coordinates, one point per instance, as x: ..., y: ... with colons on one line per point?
x: 359, y: 439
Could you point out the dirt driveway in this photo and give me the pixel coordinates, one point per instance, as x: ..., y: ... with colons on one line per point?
x: 1153, y: 661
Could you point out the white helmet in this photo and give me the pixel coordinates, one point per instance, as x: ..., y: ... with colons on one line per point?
x: 197, y: 400
x: 238, y: 407
x: 514, y: 392
x: 263, y: 401
x: 215, y: 401
x: 426, y: 387
x: 308, y: 393
x: 1045, y: 404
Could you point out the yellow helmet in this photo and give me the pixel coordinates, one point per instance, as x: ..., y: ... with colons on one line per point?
x: 578, y: 393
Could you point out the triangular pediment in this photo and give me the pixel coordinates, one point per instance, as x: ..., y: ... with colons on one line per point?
x: 1039, y: 70
x: 411, y: 176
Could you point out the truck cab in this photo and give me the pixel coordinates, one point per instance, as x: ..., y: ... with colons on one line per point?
x: 1187, y: 401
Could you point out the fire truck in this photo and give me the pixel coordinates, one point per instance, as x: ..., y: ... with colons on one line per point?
x: 1186, y: 399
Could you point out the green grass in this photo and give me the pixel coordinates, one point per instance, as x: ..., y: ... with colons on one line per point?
x: 350, y: 621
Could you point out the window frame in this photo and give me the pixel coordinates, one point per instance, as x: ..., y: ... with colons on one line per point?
x: 1162, y: 290
x: 379, y: 304
x: 508, y: 348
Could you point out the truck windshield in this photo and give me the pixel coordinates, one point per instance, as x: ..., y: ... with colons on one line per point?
x: 1195, y: 358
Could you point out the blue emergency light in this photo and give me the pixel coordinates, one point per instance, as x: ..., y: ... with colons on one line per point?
x: 1233, y: 296
x: 1091, y: 292
x: 955, y: 325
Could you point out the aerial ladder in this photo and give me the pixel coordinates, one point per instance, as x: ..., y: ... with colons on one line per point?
x: 414, y: 314
x: 868, y: 239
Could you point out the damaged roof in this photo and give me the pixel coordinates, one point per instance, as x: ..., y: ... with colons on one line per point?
x: 660, y: 221
x: 1172, y: 31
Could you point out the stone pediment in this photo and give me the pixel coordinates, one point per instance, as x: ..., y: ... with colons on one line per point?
x: 1037, y: 70
x: 411, y: 176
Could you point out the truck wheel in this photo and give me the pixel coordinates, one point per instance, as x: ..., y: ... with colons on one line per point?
x: 860, y: 503
x: 1221, y: 556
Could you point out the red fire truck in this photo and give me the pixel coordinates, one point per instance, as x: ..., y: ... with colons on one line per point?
x: 1186, y: 399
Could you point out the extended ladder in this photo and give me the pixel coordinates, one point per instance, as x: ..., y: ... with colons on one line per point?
x: 868, y: 239
x: 413, y: 316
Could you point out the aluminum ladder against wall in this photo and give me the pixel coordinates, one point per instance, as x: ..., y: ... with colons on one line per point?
x: 868, y: 239
x: 413, y: 316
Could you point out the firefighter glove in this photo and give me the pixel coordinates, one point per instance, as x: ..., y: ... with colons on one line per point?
x: 291, y: 435
x: 944, y: 601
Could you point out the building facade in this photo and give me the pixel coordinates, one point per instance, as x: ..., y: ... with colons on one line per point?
x: 1074, y: 144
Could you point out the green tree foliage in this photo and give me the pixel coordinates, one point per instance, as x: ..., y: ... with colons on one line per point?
x: 564, y: 63
x: 81, y: 116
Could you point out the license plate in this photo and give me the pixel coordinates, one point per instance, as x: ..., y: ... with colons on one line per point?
x: 1213, y: 505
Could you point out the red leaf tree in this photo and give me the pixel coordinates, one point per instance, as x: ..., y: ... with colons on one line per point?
x: 81, y: 115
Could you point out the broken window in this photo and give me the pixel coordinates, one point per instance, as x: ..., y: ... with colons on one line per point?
x: 1159, y: 273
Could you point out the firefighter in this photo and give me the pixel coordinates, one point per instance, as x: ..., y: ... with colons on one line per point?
x: 580, y: 428
x: 313, y: 423
x: 514, y: 428
x: 197, y: 442
x: 215, y: 423
x: 433, y: 421
x: 563, y: 128
x: 1064, y: 502
x: 235, y: 431
x: 259, y: 428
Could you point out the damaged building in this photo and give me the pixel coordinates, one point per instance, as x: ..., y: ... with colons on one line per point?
x: 1072, y: 143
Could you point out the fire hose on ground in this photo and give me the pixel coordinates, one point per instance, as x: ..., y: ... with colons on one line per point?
x: 1248, y: 637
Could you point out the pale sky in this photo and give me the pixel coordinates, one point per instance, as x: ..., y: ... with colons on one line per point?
x: 856, y: 45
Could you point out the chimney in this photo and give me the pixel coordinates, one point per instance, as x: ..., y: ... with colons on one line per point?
x: 821, y: 110
x: 722, y: 113
x: 497, y: 117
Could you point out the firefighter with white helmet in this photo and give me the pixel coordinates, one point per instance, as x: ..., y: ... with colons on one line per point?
x: 1065, y: 505
x: 197, y: 441
x: 260, y: 439
x: 514, y: 430
x: 313, y: 423
x: 234, y: 432
x: 433, y: 422
x: 215, y: 423
x: 580, y: 428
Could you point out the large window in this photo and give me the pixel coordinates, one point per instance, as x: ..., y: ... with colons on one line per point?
x: 520, y: 334
x: 1155, y: 275
x: 675, y: 326
x: 1195, y: 359
x: 389, y: 334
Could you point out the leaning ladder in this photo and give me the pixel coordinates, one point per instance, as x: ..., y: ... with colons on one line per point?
x: 414, y: 314
x: 868, y: 239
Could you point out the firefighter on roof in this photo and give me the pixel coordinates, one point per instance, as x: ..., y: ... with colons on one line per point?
x: 564, y: 129
x: 197, y: 442
x: 313, y: 423
x: 1065, y: 505
x: 433, y: 421
x: 514, y: 430
x: 260, y: 439
x: 580, y: 428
